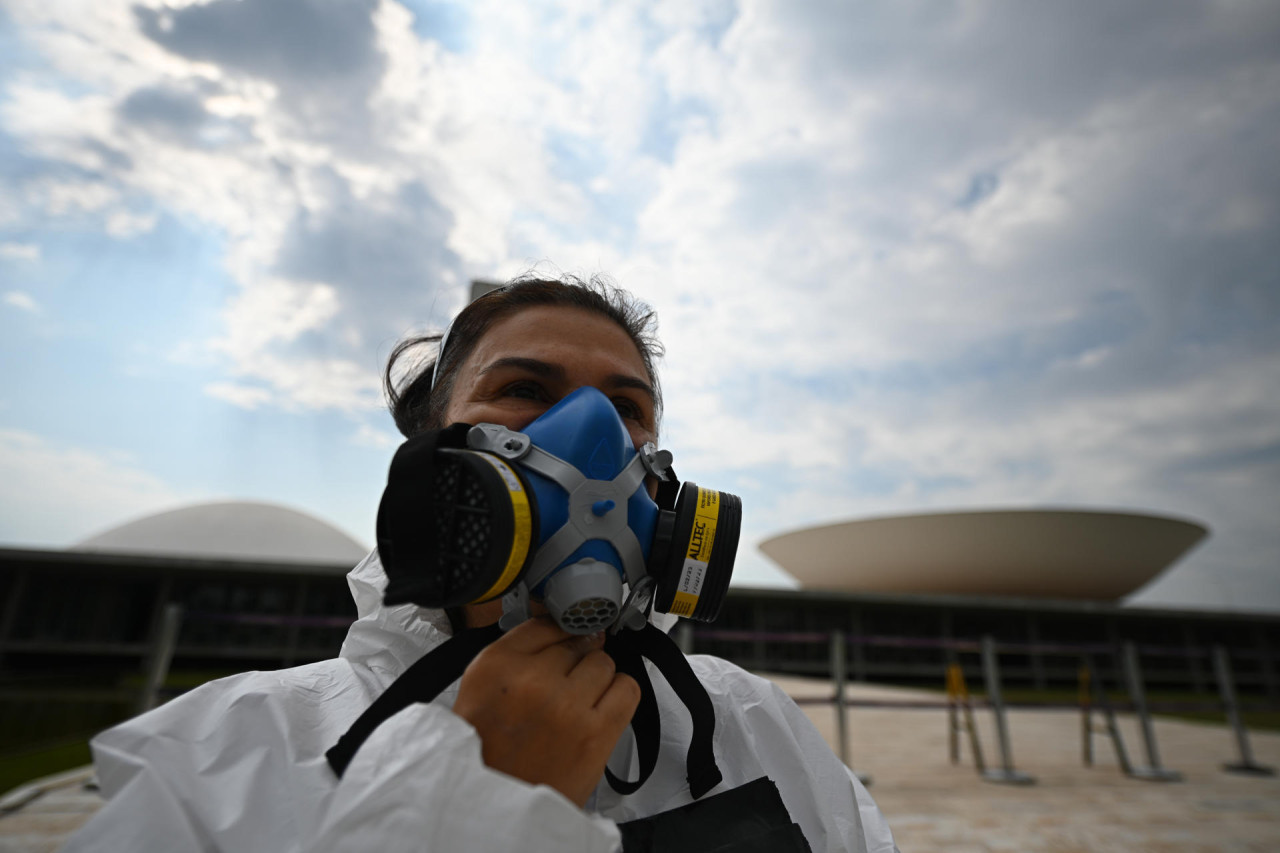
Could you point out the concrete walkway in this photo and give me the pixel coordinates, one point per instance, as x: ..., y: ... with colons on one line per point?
x: 43, y: 823
x: 933, y: 805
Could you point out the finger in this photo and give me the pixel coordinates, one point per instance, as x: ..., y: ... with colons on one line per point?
x: 618, y: 702
x: 585, y: 644
x: 592, y: 676
x: 570, y: 651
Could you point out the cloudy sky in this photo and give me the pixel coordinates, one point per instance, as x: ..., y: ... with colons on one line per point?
x: 907, y: 256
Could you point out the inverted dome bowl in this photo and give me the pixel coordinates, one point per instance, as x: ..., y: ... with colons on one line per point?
x: 1074, y: 554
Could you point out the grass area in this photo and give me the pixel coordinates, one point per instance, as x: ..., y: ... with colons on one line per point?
x: 18, y: 768
x: 1260, y: 720
x: 179, y: 681
x: 45, y: 728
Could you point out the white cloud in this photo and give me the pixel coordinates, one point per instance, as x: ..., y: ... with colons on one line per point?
x: 244, y: 396
x: 275, y: 311
x: 1001, y: 254
x: 320, y: 383
x: 124, y: 224
x: 21, y: 300
x: 380, y: 439
x: 54, y: 494
x: 20, y: 251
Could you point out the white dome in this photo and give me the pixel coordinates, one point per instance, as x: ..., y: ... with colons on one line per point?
x: 235, y: 530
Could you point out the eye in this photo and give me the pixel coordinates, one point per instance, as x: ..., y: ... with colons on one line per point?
x: 628, y: 408
x: 526, y: 389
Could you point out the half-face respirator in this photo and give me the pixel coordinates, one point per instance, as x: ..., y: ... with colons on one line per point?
x: 558, y: 513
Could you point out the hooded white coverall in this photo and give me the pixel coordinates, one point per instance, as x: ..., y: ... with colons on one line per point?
x: 238, y: 765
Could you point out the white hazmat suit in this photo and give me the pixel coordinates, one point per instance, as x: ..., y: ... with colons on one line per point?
x: 238, y: 764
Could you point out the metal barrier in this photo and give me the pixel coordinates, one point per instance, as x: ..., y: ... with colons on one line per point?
x: 1092, y: 691
x: 164, y: 641
x: 1154, y: 771
x: 838, y: 676
x: 161, y: 656
x: 1226, y: 688
x: 1092, y: 696
x: 1005, y: 773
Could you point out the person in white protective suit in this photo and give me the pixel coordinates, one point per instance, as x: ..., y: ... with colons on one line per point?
x: 513, y: 755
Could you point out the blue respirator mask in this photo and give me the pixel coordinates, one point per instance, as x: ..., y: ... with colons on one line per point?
x: 560, y: 513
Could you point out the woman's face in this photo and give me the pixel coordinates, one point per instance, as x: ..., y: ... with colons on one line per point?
x: 529, y: 361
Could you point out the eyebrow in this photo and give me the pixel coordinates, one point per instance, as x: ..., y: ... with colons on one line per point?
x: 547, y: 370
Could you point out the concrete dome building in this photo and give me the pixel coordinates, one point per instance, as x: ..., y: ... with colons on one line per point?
x: 259, y: 586
x: 235, y: 530
x: 202, y: 590
x: 1065, y: 554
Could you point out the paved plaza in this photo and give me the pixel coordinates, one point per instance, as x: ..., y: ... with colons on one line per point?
x: 933, y: 805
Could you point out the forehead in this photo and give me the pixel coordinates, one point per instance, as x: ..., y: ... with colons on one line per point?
x: 573, y: 337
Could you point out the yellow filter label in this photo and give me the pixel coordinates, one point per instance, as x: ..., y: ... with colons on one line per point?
x: 701, y: 540
x: 684, y: 604
x: 523, y: 527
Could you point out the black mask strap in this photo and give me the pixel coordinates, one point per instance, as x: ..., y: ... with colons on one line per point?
x: 443, y: 665
x: 646, y: 724
x: 422, y: 682
x: 627, y: 647
x: 668, y: 491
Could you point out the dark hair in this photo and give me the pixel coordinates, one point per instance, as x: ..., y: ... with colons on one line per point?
x: 417, y: 407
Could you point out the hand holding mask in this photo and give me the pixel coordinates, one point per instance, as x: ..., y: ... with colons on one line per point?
x: 558, y: 514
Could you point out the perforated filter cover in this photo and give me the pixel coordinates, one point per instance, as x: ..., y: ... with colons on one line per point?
x: 584, y: 597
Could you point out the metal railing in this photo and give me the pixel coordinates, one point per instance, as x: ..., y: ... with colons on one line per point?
x: 1092, y: 694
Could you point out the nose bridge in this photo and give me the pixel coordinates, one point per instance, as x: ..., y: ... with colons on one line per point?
x: 586, y: 431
